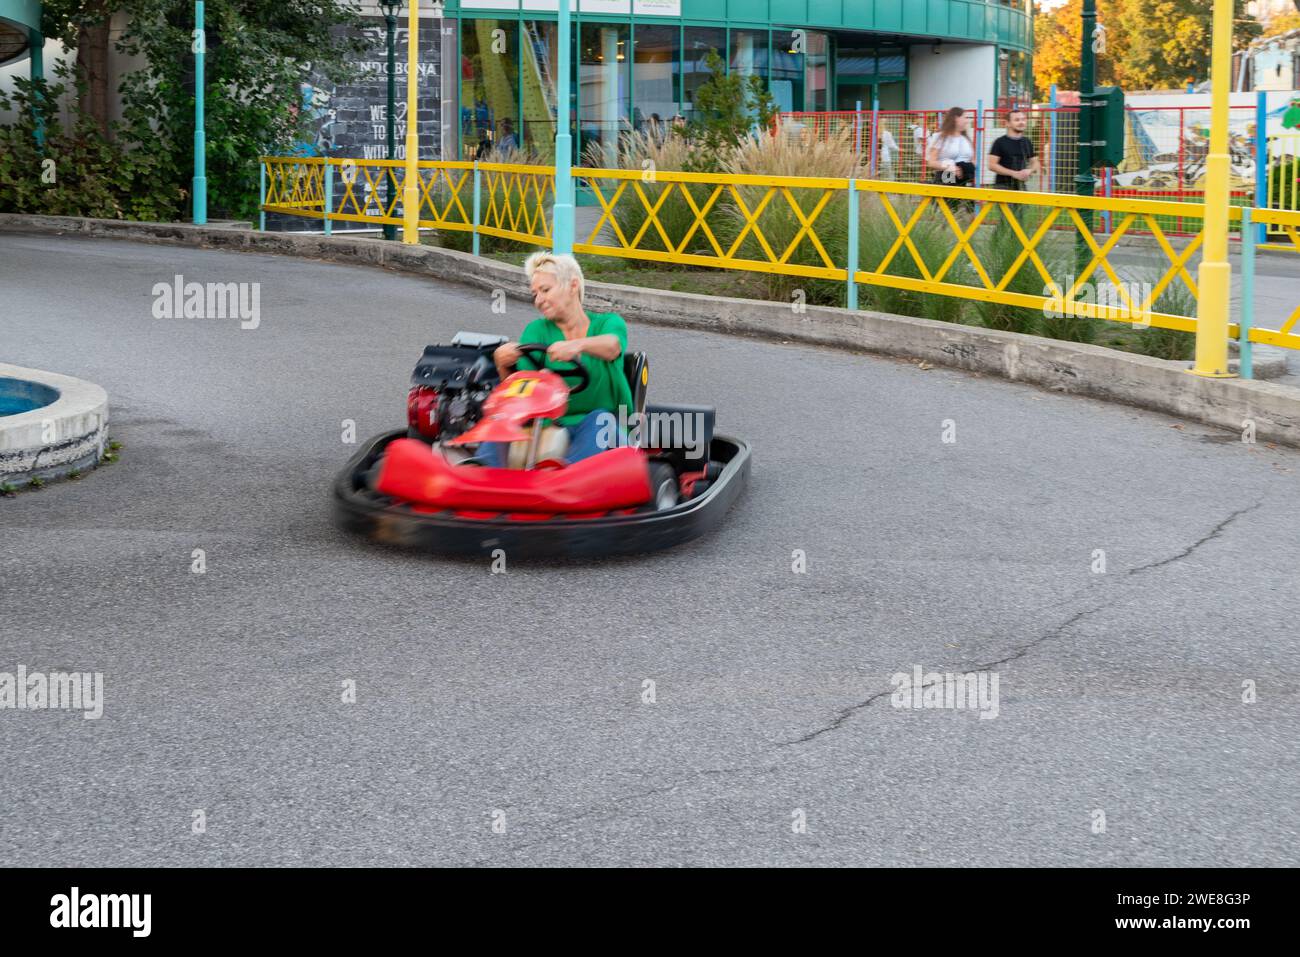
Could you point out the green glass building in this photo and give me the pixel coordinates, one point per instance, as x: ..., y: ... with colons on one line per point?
x: 636, y: 62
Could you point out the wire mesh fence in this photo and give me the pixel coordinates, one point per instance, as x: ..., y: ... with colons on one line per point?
x: 1164, y: 155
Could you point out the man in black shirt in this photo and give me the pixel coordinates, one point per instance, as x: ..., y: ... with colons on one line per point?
x: 1012, y: 156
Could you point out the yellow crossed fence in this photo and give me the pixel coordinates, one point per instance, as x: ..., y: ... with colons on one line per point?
x: 294, y: 185
x: 785, y: 225
x: 799, y: 226
x: 1287, y: 223
x: 1050, y: 218
x: 518, y: 201
x: 755, y: 223
x: 517, y: 198
x: 370, y: 191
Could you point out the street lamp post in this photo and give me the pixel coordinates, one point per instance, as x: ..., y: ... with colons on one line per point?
x: 1214, y: 277
x: 37, y: 41
x: 562, y: 211
x: 390, y: 8
x: 411, y: 181
x: 199, y: 192
x: 1084, y: 181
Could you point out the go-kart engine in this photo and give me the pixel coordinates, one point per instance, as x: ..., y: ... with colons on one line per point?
x: 449, y: 386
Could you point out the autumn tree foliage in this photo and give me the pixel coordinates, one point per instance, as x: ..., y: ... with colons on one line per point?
x: 1149, y: 44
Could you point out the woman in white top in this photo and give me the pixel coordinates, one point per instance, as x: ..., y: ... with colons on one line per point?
x: 950, y: 152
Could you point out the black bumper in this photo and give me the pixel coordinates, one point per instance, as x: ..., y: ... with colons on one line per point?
x: 359, y: 510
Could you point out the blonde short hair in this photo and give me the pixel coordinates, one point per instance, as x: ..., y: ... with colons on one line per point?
x: 564, y: 266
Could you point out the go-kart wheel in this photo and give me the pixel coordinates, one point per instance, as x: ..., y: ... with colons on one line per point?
x: 535, y: 352
x: 663, y: 486
x: 370, y: 477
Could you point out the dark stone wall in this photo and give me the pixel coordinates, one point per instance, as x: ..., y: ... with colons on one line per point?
x: 356, y: 126
x: 350, y: 119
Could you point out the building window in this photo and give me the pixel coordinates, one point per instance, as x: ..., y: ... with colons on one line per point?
x: 891, y: 61
x: 655, y: 77
x: 816, y: 71
x: 697, y: 43
x: 1013, y: 79
x: 749, y: 53
x: 489, y: 83
x: 540, y: 56
x: 788, y: 69
x: 603, y: 91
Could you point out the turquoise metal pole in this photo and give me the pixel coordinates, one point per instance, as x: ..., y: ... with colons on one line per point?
x: 327, y: 176
x: 1244, y: 345
x: 37, y: 41
x: 979, y: 142
x: 261, y: 192
x: 1051, y: 147
x: 200, y: 185
x: 477, y: 194
x: 875, y: 138
x: 851, y: 282
x: 1261, y: 158
x: 562, y: 211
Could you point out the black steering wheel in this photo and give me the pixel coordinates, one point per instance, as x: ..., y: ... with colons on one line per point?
x: 531, y: 351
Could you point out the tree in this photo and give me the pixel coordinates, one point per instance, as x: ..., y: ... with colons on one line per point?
x: 258, y: 56
x: 1058, y: 37
x: 1167, y: 43
x: 83, y: 25
x: 259, y: 53
x: 1283, y: 23
x: 727, y: 108
x: 1148, y: 45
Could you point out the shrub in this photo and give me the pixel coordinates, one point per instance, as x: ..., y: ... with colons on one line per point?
x: 78, y: 172
x: 258, y: 57
x: 1284, y: 184
x: 768, y: 154
x: 728, y: 107
x: 1175, y: 300
x: 652, y: 153
x: 999, y: 249
x: 933, y: 239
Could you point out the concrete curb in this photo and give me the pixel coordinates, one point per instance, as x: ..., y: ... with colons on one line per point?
x: 52, y: 440
x: 1072, y: 368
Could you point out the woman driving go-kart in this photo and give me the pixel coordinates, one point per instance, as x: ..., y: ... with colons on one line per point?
x: 478, y: 468
x: 565, y: 336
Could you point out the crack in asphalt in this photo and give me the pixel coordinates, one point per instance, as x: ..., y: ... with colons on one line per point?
x: 845, y: 714
x: 1213, y: 534
x: 850, y: 711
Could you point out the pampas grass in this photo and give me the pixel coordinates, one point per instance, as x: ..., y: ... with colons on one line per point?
x: 651, y: 154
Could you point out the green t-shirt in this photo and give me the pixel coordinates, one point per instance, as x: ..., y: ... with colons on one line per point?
x: 608, y: 388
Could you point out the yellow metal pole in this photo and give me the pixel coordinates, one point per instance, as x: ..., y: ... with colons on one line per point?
x: 1214, y: 277
x: 411, y: 188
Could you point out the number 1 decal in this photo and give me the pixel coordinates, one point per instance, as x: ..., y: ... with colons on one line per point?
x: 521, y: 388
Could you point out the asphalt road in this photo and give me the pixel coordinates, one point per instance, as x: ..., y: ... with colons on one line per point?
x: 517, y: 698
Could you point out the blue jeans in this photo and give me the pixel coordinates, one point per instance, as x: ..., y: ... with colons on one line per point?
x: 588, y: 437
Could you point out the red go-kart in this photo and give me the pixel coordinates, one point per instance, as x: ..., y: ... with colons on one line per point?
x: 425, y: 486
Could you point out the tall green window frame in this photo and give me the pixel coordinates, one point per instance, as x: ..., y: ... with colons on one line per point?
x: 536, y: 130
x: 527, y: 120
x: 488, y: 110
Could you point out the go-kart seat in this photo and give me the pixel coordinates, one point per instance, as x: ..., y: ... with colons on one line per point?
x: 637, y: 369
